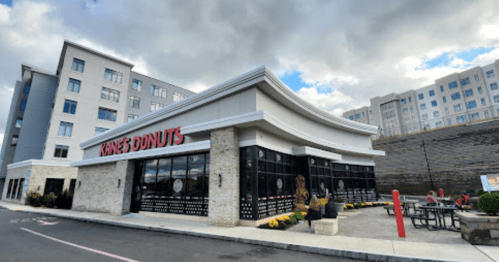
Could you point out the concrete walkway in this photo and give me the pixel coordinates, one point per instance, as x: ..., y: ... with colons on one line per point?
x: 339, y: 246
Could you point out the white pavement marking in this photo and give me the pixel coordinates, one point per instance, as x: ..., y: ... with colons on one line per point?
x: 45, y: 223
x: 82, y: 247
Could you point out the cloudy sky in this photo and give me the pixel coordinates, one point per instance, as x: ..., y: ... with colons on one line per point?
x: 335, y: 54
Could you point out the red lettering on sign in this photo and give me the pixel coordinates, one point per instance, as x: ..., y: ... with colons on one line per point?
x: 170, y: 135
x: 160, y: 135
x: 180, y: 136
x: 117, y: 149
x: 126, y: 145
x: 152, y: 141
x: 144, y: 144
x: 102, y: 150
x: 136, y: 143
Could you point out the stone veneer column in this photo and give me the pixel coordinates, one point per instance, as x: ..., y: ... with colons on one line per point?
x: 125, y: 170
x: 224, y: 160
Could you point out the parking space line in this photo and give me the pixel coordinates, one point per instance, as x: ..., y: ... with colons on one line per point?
x: 81, y: 247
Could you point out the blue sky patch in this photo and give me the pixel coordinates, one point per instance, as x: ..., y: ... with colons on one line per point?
x: 6, y: 2
x: 293, y: 81
x: 446, y: 58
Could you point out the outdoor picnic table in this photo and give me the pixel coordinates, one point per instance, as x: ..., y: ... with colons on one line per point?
x: 408, y: 204
x: 446, y: 201
x: 439, y: 213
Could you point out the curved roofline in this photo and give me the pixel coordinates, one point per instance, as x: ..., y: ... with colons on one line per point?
x: 250, y: 79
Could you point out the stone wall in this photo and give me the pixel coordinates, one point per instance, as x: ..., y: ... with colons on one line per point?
x: 38, y: 177
x: 479, y: 229
x: 457, y: 157
x: 105, y: 188
x: 224, y: 161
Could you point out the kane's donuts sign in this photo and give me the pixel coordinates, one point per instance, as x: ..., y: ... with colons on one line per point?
x: 152, y: 140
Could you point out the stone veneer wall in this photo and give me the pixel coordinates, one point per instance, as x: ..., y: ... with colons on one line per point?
x: 479, y: 229
x: 38, y: 177
x: 457, y: 156
x: 99, y: 191
x: 224, y: 159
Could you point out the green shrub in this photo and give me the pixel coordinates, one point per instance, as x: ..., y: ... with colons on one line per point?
x: 65, y: 200
x: 481, y: 192
x: 489, y: 203
x: 34, y: 199
x: 49, y: 200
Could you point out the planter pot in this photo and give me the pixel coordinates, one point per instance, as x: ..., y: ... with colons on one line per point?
x: 479, y: 228
x: 339, y: 206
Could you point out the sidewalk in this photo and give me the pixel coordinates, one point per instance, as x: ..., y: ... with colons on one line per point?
x: 338, y: 246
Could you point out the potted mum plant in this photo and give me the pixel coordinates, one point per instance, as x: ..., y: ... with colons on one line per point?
x: 339, y: 204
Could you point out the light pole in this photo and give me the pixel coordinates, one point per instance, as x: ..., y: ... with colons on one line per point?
x: 427, y: 164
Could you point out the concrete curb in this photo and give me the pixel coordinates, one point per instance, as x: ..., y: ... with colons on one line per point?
x: 366, y: 256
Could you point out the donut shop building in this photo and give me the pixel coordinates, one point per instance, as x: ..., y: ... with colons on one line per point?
x: 226, y: 156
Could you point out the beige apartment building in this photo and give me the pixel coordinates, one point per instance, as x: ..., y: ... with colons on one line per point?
x: 464, y: 97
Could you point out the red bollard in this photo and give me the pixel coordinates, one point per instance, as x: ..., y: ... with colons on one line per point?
x: 398, y: 213
x: 441, y: 191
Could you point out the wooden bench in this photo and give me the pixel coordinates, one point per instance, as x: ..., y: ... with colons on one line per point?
x: 326, y: 226
x: 388, y: 208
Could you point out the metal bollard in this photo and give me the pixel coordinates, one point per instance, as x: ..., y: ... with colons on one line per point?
x: 398, y: 213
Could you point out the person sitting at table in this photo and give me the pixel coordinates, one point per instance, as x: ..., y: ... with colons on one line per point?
x: 430, y: 199
x: 463, y: 200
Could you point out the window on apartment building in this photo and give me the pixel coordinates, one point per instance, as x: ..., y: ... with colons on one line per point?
x: 421, y: 96
x: 444, y: 99
x: 370, y: 111
x: 434, y: 103
x: 158, y: 91
x: 423, y: 106
x: 363, y: 114
x: 460, y: 119
x: 465, y: 81
x: 490, y: 74
x: 135, y: 102
x: 403, y: 101
x: 70, y: 107
x: 74, y: 85
x: 452, y: 85
x: 476, y: 78
x: 19, y: 122
x: 447, y: 110
x: 436, y: 114
x: 156, y: 106
x: 22, y: 105
x: 405, y: 111
x: 411, y: 108
x: 483, y: 101
x: 407, y: 120
x: 427, y: 127
x: 178, y: 96
x: 438, y: 124
x: 100, y: 130
x: 486, y: 113
x: 471, y: 104
x: 431, y: 93
x: 13, y: 142
x: 474, y: 117
x: 27, y: 88
x: 409, y: 99
x: 413, y: 119
x: 132, y: 117
x: 65, y: 129
x: 496, y: 99
x: 112, y: 76
x: 61, y: 151
x: 408, y: 130
x: 441, y: 88
x: 78, y: 65
x: 351, y: 117
x: 455, y: 96
x: 357, y: 116
x: 493, y: 86
x: 136, y: 84
x: 468, y: 92
x: 425, y: 116
x: 110, y: 94
x: 449, y: 121
x: 107, y: 114
x: 458, y: 107
x: 479, y: 89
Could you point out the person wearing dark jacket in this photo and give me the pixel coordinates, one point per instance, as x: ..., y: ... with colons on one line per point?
x: 331, y: 211
x: 313, y: 212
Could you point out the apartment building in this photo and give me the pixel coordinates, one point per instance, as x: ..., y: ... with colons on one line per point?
x: 458, y: 98
x: 51, y: 114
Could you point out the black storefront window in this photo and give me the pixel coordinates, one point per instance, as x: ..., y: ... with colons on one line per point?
x: 20, y: 191
x: 9, y: 188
